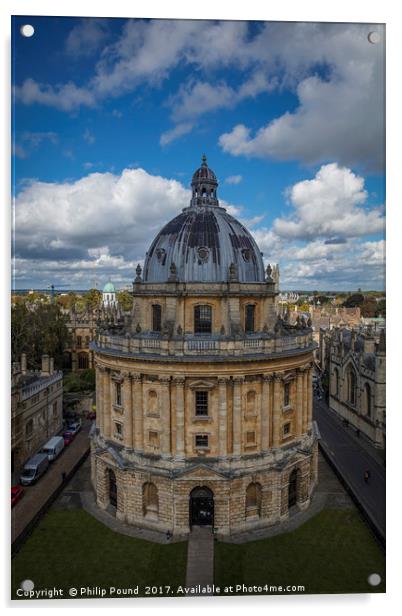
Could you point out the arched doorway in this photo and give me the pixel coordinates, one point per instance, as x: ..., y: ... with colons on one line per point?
x: 112, y: 488
x: 292, y: 494
x: 201, y: 507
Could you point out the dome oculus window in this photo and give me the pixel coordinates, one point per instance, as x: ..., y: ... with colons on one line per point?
x: 246, y: 254
x: 161, y: 255
x: 203, y: 254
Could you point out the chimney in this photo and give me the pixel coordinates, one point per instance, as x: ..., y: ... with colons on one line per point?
x: 51, y: 365
x: 23, y: 363
x: 45, y: 365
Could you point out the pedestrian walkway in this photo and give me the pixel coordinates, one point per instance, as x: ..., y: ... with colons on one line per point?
x: 200, y: 559
x: 36, y: 496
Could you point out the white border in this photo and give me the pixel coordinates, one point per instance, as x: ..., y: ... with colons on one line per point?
x: 367, y: 11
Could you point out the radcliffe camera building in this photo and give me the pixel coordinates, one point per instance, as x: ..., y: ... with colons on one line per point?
x: 204, y: 395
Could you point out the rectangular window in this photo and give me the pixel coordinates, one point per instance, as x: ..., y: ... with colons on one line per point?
x: 79, y: 341
x: 54, y: 409
x: 118, y: 394
x: 286, y: 394
x: 201, y: 403
x: 153, y: 438
x: 250, y: 438
x: 250, y: 313
x: 202, y: 319
x: 156, y: 318
x: 118, y: 430
x: 286, y: 429
x: 201, y: 440
x: 29, y: 428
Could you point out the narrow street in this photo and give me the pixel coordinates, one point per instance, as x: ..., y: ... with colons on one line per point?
x: 36, y: 496
x: 352, y: 458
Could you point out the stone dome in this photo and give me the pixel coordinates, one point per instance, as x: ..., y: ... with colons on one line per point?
x: 204, y: 243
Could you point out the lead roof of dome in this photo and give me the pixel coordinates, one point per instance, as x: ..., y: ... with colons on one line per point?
x: 204, y: 243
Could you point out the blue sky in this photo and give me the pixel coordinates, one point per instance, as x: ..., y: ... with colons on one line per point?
x: 111, y: 117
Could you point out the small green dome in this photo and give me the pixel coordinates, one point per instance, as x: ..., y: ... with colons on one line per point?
x: 108, y: 288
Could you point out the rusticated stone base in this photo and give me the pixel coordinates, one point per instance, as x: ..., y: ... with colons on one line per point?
x: 149, y: 498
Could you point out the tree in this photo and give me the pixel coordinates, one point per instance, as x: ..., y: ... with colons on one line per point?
x: 356, y: 299
x: 125, y: 300
x: 38, y: 331
x: 92, y: 299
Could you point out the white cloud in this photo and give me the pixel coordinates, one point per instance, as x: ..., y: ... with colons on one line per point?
x: 89, y: 137
x: 339, y: 116
x: 174, y: 133
x: 28, y: 142
x: 234, y: 179
x: 97, y: 224
x: 330, y: 204
x: 336, y: 74
x: 86, y: 37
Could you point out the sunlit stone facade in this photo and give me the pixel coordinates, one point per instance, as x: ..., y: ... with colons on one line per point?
x: 204, y: 396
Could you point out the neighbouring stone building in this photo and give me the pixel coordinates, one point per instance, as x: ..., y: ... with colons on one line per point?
x: 36, y: 408
x: 82, y: 327
x: 355, y: 364
x: 204, y: 394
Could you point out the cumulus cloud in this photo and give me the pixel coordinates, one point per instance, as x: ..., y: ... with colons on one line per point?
x: 174, y: 133
x: 328, y: 205
x: 97, y: 225
x: 234, y: 179
x: 340, y: 114
x: 335, y: 73
x: 85, y: 38
x: 28, y: 142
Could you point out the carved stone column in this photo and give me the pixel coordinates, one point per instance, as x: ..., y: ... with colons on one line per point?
x: 237, y: 418
x: 107, y: 405
x: 305, y: 402
x: 309, y: 398
x: 222, y: 419
x: 266, y: 414
x: 179, y: 382
x: 137, y: 413
x: 276, y: 411
x: 99, y: 398
x: 165, y: 416
x: 128, y: 411
x: 299, y: 403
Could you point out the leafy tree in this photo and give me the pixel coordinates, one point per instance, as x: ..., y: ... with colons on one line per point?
x: 36, y: 331
x: 79, y: 381
x: 125, y: 300
x: 369, y: 308
x: 92, y: 299
x: 382, y: 308
x: 354, y: 300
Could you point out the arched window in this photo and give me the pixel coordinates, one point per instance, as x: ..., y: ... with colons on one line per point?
x: 336, y: 383
x: 111, y: 477
x: 367, y: 400
x: 352, y: 386
x: 156, y: 318
x: 249, y: 324
x: 253, y: 500
x: 150, y: 504
x: 202, y: 319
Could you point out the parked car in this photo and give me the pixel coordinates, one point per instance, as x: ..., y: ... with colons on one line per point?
x: 34, y: 468
x: 74, y: 427
x: 17, y: 493
x: 53, y: 447
x: 68, y: 438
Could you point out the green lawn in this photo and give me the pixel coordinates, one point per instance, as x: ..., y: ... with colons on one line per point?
x: 334, y: 552
x: 71, y: 548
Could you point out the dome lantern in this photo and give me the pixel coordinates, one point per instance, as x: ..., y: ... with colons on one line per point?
x: 204, y: 185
